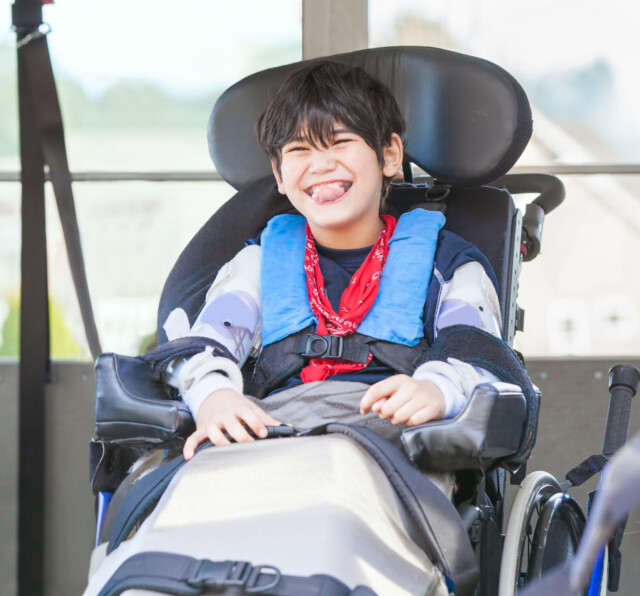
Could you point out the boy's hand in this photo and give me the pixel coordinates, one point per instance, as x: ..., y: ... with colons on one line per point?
x: 404, y: 400
x: 227, y: 410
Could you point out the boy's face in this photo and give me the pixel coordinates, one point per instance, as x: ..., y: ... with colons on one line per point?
x: 337, y: 188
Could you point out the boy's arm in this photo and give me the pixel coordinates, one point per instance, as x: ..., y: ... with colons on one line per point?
x: 212, y: 386
x: 441, y: 389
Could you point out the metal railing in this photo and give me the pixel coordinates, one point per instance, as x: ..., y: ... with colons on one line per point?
x: 202, y: 176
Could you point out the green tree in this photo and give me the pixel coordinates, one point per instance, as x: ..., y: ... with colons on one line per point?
x: 63, y: 344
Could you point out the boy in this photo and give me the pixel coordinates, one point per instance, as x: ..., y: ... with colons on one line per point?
x: 334, y: 138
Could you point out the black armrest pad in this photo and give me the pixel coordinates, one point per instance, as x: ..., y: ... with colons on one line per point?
x: 132, y: 405
x: 489, y: 429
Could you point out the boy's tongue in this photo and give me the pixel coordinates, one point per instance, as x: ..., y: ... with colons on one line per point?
x: 326, y: 194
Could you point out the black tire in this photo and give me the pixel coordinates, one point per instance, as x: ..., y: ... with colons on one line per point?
x: 544, y: 530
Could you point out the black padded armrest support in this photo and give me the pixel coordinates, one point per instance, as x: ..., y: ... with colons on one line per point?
x: 133, y: 408
x: 489, y: 429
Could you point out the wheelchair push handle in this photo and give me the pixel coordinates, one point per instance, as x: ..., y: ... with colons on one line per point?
x: 623, y: 384
x: 550, y: 191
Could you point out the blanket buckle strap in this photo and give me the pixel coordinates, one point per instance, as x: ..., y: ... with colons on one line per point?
x: 213, y: 574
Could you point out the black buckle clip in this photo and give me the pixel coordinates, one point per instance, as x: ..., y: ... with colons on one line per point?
x: 252, y: 586
x: 212, y: 574
x: 321, y: 346
x: 41, y: 31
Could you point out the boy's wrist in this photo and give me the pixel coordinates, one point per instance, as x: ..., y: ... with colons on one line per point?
x: 205, y: 387
x: 453, y: 400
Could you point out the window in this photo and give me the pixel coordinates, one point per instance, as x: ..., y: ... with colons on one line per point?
x: 137, y: 82
x: 577, y: 63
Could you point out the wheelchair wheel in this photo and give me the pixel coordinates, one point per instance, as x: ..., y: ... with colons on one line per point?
x: 544, y: 530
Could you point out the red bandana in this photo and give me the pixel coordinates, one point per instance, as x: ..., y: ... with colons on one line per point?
x: 356, y: 301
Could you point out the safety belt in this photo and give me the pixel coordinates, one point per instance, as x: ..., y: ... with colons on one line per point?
x: 41, y: 143
x: 171, y: 573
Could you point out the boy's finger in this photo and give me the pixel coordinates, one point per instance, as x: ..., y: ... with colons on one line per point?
x: 237, y: 431
x: 216, y: 436
x: 252, y: 419
x: 422, y: 416
x: 379, y: 390
x: 378, y: 405
x: 404, y: 413
x: 267, y: 418
x: 395, y: 402
x: 193, y: 440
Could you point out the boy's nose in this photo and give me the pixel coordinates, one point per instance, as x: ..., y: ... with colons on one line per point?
x: 321, y: 161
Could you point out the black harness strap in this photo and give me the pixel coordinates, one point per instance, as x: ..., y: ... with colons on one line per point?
x: 179, y: 574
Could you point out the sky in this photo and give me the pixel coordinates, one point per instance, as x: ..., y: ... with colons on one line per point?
x: 535, y: 36
x: 182, y: 45
x: 190, y: 47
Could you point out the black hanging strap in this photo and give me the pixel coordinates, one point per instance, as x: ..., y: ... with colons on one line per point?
x: 41, y: 143
x: 39, y: 85
x: 34, y: 351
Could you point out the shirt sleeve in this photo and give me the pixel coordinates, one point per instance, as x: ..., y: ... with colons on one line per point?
x: 462, y: 292
x: 450, y: 379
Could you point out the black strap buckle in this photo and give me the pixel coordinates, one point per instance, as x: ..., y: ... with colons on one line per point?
x: 313, y: 345
x: 252, y: 586
x: 213, y: 574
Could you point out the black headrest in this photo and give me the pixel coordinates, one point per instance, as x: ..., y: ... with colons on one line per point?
x: 468, y: 120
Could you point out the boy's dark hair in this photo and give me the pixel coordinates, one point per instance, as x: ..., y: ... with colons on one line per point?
x: 322, y: 93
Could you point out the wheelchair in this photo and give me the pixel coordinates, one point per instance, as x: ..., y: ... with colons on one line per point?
x: 174, y: 528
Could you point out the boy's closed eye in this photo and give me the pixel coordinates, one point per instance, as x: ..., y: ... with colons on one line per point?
x: 294, y: 148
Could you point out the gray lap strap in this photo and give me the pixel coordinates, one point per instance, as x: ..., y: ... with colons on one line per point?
x: 171, y: 573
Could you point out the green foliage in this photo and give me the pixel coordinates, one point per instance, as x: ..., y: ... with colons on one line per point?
x: 63, y: 344
x: 147, y: 342
x: 10, y: 346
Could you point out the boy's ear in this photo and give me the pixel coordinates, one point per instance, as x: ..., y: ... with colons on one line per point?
x: 274, y: 169
x: 392, y: 155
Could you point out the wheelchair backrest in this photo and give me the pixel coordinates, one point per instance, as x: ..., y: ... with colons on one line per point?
x: 468, y: 121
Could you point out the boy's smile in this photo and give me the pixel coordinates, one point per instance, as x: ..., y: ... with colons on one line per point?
x: 328, y: 192
x: 338, y: 187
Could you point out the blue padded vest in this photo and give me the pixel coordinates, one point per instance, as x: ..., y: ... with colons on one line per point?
x: 396, y: 316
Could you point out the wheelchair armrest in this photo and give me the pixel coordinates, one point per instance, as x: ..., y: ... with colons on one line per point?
x: 132, y: 406
x: 488, y: 429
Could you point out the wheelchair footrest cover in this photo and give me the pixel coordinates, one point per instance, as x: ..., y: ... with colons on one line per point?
x: 308, y: 506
